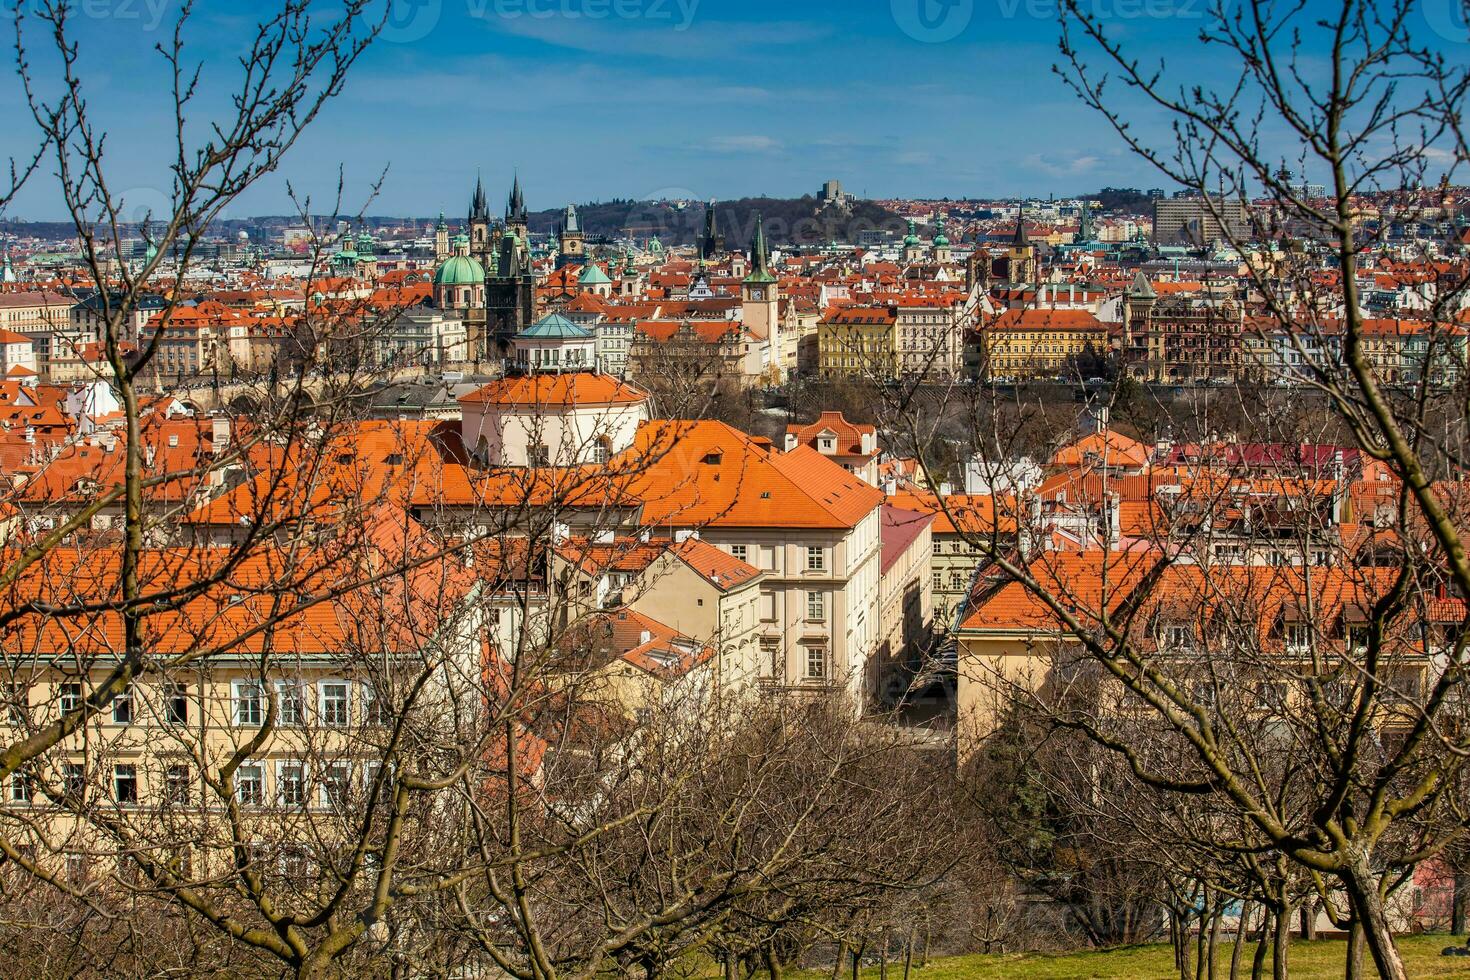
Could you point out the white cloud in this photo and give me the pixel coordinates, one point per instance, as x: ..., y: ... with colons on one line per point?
x: 749, y: 143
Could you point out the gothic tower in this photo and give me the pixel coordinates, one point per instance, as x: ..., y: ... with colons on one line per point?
x: 1021, y: 255
x: 478, y: 224
x: 571, y: 249
x: 713, y: 242
x: 510, y: 282
x: 760, y: 292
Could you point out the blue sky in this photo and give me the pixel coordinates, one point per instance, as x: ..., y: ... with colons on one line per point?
x: 594, y: 99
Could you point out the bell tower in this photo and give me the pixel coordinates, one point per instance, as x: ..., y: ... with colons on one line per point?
x: 760, y: 291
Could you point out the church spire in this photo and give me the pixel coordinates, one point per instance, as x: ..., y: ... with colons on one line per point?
x: 516, y: 206
x: 478, y: 208
x: 1019, y: 238
x: 760, y: 270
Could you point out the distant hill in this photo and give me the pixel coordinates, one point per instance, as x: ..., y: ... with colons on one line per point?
x: 801, y: 221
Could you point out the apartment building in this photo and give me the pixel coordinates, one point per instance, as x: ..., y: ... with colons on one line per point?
x: 810, y: 526
x: 1029, y: 343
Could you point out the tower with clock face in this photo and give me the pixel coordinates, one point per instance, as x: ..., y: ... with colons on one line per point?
x: 760, y: 297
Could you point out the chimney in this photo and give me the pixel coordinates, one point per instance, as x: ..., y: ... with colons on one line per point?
x: 604, y: 537
x: 684, y: 534
x: 220, y: 433
x: 790, y: 441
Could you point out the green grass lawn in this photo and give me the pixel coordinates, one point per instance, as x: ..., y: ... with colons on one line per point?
x: 1309, y: 961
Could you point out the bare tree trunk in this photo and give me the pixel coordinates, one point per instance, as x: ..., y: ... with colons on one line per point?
x: 1201, y: 935
x: 1282, y: 943
x: 924, y: 950
x: 1362, y: 888
x: 908, y: 953
x: 841, y: 957
x: 1353, y: 969
x: 773, y: 963
x: 857, y: 958
x: 1309, y: 921
x: 883, y: 958
x: 1459, y: 902
x: 1177, y: 941
x: 1215, y: 915
x: 1258, y: 961
x: 1240, y: 934
x: 729, y: 958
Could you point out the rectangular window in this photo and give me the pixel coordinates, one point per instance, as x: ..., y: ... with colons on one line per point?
x: 377, y: 710
x: 175, y: 703
x: 71, y: 697
x: 1298, y: 636
x: 176, y: 785
x: 290, y: 706
x: 249, y: 711
x: 816, y: 559
x: 938, y: 579
x: 291, y: 783
x: 334, y: 704
x: 125, y: 783
x: 738, y: 551
x: 816, y: 607
x: 250, y: 784
x: 17, y: 701
x: 78, y: 868
x: 816, y: 663
x: 20, y: 788
x: 73, y: 779
x: 370, y: 771
x: 336, y: 780
x: 122, y: 708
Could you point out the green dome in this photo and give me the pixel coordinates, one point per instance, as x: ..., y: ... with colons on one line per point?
x: 459, y: 270
x: 912, y: 237
x: 592, y: 275
x: 940, y: 238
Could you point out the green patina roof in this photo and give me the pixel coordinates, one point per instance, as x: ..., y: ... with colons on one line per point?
x: 592, y: 275
x: 554, y: 326
x: 759, y: 270
x: 459, y: 270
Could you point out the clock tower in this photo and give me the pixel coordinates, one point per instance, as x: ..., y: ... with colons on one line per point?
x: 760, y: 296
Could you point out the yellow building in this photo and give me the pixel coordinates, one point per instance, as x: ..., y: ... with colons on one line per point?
x: 1039, y: 343
x: 857, y: 342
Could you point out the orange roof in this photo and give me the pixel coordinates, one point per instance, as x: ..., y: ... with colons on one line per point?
x: 570, y: 389
x: 1046, y: 319
x: 692, y: 473
x: 849, y: 434
x: 1108, y: 447
x: 972, y: 513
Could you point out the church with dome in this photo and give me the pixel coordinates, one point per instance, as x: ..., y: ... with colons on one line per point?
x: 553, y: 407
x: 486, y: 277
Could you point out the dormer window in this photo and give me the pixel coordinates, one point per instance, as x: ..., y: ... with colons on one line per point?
x: 712, y: 459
